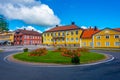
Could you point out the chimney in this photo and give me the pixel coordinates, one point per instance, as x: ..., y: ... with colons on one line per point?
x: 90, y: 27
x: 73, y: 23
x: 24, y: 29
x: 56, y: 25
x: 32, y: 29
x: 95, y: 28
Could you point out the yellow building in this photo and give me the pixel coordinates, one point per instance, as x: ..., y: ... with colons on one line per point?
x: 7, y: 37
x: 107, y: 38
x: 86, y: 37
x: 63, y: 35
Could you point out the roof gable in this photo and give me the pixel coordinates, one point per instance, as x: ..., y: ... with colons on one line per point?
x: 87, y: 33
x: 107, y: 31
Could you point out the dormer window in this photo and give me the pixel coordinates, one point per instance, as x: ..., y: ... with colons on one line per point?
x: 107, y: 36
x: 116, y: 36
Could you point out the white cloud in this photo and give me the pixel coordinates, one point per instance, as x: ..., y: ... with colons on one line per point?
x: 84, y: 27
x: 30, y: 11
x: 29, y: 28
x: 49, y: 28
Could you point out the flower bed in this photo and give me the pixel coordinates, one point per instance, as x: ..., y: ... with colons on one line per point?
x: 71, y: 53
x: 60, y: 49
x: 38, y: 52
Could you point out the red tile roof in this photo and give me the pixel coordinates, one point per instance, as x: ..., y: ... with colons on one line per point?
x: 28, y: 32
x: 63, y: 28
x: 118, y: 29
x: 87, y: 33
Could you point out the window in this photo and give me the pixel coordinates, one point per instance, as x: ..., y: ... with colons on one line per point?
x: 91, y: 44
x: 98, y: 43
x: 30, y: 37
x: 107, y: 36
x: 71, y: 32
x: 107, y: 44
x: 54, y: 34
x: 24, y: 41
x: 72, y: 39
x: 67, y: 39
x: 67, y: 33
x: 59, y: 34
x: 51, y: 34
x: 116, y: 36
x: 44, y: 34
x: 63, y: 34
x: 76, y: 39
x: 76, y: 32
x: 63, y: 39
x: 117, y: 43
x: 84, y: 43
x: 98, y: 37
x: 25, y: 37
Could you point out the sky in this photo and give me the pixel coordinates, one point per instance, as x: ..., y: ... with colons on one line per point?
x: 42, y: 15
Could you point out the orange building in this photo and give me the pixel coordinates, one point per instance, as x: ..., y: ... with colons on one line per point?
x: 86, y: 37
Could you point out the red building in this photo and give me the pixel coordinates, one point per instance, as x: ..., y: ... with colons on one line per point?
x: 27, y: 37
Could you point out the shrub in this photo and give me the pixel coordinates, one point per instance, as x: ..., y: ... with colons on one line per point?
x: 71, y: 53
x: 83, y: 49
x: 38, y: 52
x: 25, y: 49
x: 60, y: 49
x: 75, y: 60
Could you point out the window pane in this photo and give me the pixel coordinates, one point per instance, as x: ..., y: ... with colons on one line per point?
x: 107, y: 44
x: 98, y: 37
x: 116, y: 36
x: 107, y: 36
x: 98, y: 43
x: 76, y: 32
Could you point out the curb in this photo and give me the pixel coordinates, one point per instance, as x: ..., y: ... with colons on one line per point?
x: 9, y: 59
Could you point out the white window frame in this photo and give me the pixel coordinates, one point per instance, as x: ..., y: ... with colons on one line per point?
x: 77, y: 39
x: 108, y: 36
x: 91, y: 44
x: 97, y: 44
x: 72, y: 40
x: 107, y: 43
x: 117, y: 44
x: 98, y: 37
x: 84, y: 43
x: 117, y: 35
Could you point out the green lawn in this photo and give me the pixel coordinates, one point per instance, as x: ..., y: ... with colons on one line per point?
x: 56, y: 57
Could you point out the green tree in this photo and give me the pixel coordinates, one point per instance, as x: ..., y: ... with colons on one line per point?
x: 3, y: 24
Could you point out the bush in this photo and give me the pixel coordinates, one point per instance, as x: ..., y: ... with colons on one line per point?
x: 38, y: 52
x: 71, y: 53
x: 25, y: 49
x: 83, y: 49
x: 75, y: 60
x: 60, y: 49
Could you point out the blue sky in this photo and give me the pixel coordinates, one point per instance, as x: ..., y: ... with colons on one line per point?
x: 101, y: 13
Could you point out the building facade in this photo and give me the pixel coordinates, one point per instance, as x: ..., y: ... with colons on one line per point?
x: 86, y: 37
x: 7, y: 38
x: 27, y: 37
x: 107, y: 38
x: 63, y: 35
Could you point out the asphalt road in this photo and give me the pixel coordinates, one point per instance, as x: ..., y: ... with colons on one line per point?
x: 104, y: 71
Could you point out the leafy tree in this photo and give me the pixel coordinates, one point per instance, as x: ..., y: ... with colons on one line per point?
x: 3, y: 24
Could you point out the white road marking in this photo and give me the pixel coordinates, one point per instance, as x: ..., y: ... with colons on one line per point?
x: 57, y: 65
